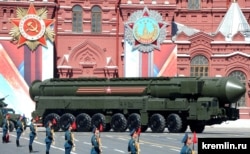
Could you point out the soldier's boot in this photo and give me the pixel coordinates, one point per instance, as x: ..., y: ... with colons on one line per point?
x: 17, y: 143
x: 30, y: 148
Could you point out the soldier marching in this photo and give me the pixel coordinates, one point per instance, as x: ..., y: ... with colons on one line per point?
x: 187, y: 141
x: 96, y: 142
x: 19, y: 130
x: 33, y: 134
x: 69, y: 140
x: 5, y: 137
x: 133, y: 144
x: 49, y: 139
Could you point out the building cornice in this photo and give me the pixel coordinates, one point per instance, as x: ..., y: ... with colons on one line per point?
x: 219, y: 55
x: 183, y: 55
x: 230, y: 42
x: 231, y: 54
x: 182, y: 42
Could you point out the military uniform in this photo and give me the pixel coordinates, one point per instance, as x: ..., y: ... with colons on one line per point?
x: 186, y: 149
x: 131, y: 146
x: 95, y: 145
x: 5, y: 129
x: 132, y: 143
x: 32, y: 135
x: 49, y: 138
x: 19, y: 131
x: 69, y: 143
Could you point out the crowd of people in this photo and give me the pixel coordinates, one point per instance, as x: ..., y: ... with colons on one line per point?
x: 133, y: 144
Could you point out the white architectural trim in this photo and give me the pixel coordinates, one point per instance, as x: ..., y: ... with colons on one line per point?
x: 231, y: 54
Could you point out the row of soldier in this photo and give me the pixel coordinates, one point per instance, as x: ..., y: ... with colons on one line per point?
x: 133, y: 144
x: 6, y: 125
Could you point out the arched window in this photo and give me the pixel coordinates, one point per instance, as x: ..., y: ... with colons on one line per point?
x: 96, y: 19
x: 199, y: 66
x: 242, y: 77
x: 77, y: 19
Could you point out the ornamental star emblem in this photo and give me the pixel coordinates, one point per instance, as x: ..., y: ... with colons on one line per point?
x: 145, y: 30
x: 108, y: 90
x: 32, y: 27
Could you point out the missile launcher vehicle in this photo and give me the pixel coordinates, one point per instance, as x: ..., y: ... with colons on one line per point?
x: 129, y: 103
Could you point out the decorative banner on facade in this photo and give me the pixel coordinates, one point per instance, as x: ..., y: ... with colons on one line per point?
x: 145, y: 30
x: 32, y: 27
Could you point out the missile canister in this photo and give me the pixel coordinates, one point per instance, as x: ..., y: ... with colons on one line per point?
x: 227, y: 90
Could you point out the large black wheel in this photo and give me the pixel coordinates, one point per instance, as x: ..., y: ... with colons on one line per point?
x: 157, y: 123
x: 83, y: 122
x: 66, y: 119
x: 11, y: 126
x: 197, y: 126
x: 97, y: 120
x: 118, y: 122
x: 174, y: 123
x: 134, y: 121
x: 54, y: 118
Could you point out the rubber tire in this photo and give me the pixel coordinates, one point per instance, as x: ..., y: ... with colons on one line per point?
x: 134, y: 121
x: 66, y: 119
x: 174, y: 123
x: 97, y: 120
x: 119, y: 122
x: 50, y: 117
x: 157, y: 123
x: 83, y: 122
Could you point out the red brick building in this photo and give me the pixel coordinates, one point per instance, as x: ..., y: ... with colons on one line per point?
x: 211, y: 37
